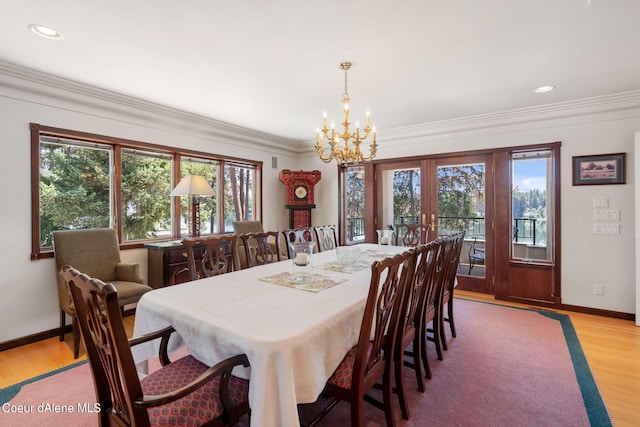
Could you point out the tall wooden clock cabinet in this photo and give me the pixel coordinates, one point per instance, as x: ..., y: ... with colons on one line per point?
x: 299, y: 195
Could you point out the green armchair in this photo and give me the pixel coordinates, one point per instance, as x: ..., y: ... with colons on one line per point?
x: 95, y: 253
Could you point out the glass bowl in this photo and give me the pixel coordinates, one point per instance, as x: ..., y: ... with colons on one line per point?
x: 347, y: 255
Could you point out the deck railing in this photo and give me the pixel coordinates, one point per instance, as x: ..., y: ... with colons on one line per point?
x: 524, y: 228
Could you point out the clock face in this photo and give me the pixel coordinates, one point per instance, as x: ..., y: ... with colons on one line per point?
x: 300, y: 192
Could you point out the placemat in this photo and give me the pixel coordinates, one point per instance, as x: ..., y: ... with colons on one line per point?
x: 359, y: 265
x: 316, y: 283
x: 378, y: 255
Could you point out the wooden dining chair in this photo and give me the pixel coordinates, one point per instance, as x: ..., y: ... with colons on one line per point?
x: 326, y: 237
x: 448, y: 287
x: 432, y: 309
x: 370, y: 360
x: 211, y: 255
x: 410, y: 234
x: 260, y: 249
x: 183, y: 392
x: 296, y: 235
x: 418, y: 295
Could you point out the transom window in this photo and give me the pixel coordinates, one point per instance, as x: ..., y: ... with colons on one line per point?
x: 84, y: 180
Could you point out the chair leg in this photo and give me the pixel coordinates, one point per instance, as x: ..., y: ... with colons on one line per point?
x: 437, y: 336
x: 63, y: 323
x: 357, y: 416
x: 418, y: 351
x: 387, y: 394
x: 76, y: 337
x: 399, y: 365
x: 441, y: 332
x: 450, y: 316
x: 436, y: 340
x: 425, y: 363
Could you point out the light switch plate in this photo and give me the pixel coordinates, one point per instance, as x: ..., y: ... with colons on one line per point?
x: 600, y: 202
x: 606, y: 215
x: 606, y: 228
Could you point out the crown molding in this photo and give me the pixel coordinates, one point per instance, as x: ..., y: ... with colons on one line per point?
x: 43, y: 84
x: 162, y: 116
x: 560, y: 110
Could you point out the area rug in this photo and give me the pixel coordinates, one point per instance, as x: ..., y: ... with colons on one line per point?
x: 507, y: 367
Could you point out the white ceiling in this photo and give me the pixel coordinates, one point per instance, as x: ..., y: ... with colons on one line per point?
x: 272, y: 65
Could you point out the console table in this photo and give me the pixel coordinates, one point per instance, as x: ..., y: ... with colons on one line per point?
x: 167, y: 263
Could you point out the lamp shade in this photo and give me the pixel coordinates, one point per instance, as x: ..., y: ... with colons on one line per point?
x: 193, y: 185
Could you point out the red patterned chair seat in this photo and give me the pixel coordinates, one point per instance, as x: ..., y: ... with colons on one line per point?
x: 343, y: 374
x: 200, y: 406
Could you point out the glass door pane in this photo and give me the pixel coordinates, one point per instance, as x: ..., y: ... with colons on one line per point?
x: 354, y: 203
x: 400, y: 198
x: 461, y: 206
x: 530, y: 208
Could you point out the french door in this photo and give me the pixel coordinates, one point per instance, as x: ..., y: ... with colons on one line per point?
x: 507, y: 201
x: 461, y: 198
x: 445, y: 195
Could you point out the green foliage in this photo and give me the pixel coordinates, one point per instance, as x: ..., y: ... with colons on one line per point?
x: 355, y: 192
x: 146, y: 203
x: 74, y: 189
x: 406, y: 195
x: 208, y: 205
x: 530, y: 204
x: 77, y: 190
x: 461, y: 198
x: 238, y: 195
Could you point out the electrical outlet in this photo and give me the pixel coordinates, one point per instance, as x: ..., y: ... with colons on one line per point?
x: 598, y: 289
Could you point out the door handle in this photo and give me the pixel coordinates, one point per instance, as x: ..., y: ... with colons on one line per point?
x: 433, y: 224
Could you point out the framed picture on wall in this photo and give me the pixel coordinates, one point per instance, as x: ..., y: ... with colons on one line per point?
x: 599, y: 169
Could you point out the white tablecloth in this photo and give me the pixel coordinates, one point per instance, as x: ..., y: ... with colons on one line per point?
x: 294, y: 339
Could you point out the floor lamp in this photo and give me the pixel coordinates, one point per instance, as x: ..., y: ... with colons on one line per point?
x: 194, y: 186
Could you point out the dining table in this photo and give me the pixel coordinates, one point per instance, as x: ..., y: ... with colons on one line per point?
x: 294, y: 330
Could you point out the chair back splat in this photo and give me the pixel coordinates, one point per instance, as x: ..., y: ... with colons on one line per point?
x: 187, y: 389
x: 297, y: 235
x: 410, y: 234
x: 326, y: 237
x: 210, y: 256
x: 261, y: 248
x: 371, y: 359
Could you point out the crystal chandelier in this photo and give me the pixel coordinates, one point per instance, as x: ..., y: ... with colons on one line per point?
x: 344, y: 152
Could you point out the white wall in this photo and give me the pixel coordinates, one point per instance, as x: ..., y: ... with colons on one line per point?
x: 606, y: 125
x: 585, y: 127
x: 29, y: 302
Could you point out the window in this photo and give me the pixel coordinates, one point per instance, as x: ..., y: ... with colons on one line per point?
x: 146, y: 199
x: 353, y: 182
x: 74, y: 187
x: 84, y: 180
x: 531, y: 220
x: 238, y: 195
x: 208, y: 205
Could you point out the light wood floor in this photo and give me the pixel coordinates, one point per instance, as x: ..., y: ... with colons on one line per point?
x: 612, y: 347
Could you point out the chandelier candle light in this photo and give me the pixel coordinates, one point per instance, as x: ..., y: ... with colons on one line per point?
x: 344, y: 153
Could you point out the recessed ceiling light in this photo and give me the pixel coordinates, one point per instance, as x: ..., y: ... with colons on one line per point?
x: 44, y: 31
x: 543, y: 89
